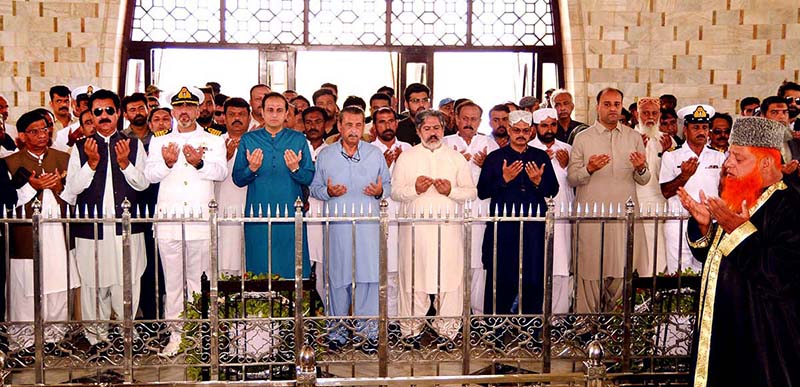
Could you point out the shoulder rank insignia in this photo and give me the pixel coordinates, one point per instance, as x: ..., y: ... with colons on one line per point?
x: 161, y: 133
x: 213, y: 131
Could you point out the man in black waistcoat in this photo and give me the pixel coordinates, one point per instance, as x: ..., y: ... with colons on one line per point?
x: 104, y: 170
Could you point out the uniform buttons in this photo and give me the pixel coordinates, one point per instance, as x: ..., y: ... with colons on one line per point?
x: 185, y: 183
x: 185, y: 203
x: 185, y: 164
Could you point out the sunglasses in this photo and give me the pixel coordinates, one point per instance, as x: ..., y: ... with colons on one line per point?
x: 718, y: 131
x: 218, y: 113
x: 790, y: 99
x: 110, y: 110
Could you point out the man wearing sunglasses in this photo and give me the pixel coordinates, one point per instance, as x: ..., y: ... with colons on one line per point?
x: 105, y: 170
x: 37, y: 173
x: 186, y: 162
x: 790, y: 92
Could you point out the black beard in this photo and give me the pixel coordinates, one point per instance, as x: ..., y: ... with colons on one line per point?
x: 204, y: 121
x: 387, y: 135
x: 793, y: 112
x: 500, y: 134
x: 547, y: 138
x: 139, y: 120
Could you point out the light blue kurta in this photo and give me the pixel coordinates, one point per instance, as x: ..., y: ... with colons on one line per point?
x: 355, y: 173
x: 273, y: 186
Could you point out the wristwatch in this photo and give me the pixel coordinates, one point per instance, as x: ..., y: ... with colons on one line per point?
x: 199, y: 165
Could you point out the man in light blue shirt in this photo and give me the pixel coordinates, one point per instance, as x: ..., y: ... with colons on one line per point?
x: 352, y: 175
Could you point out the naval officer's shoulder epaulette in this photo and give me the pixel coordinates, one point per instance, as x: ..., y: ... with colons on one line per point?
x: 213, y: 131
x: 161, y: 133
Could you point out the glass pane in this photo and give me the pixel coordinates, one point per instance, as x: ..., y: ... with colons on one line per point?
x: 512, y: 23
x: 177, y: 21
x: 429, y: 22
x: 347, y: 22
x: 235, y: 70
x: 549, y: 76
x: 134, y: 79
x: 416, y: 72
x: 355, y: 72
x: 487, y: 78
x: 277, y: 75
x: 264, y: 21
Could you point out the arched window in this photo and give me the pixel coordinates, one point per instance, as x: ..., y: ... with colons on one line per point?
x: 411, y: 40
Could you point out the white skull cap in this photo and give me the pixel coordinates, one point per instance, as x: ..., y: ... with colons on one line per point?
x: 543, y: 114
x: 519, y: 115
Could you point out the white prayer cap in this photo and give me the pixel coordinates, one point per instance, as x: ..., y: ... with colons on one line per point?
x: 543, y: 114
x: 87, y: 89
x: 519, y: 115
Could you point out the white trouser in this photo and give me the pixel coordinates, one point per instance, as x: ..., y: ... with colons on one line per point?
x: 562, y: 293
x: 20, y: 309
x: 449, y: 304
x: 676, y: 244
x: 477, y: 290
x: 99, y: 303
x: 198, y: 259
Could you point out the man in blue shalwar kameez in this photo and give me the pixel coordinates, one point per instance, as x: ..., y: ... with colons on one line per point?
x: 352, y: 175
x: 274, y: 163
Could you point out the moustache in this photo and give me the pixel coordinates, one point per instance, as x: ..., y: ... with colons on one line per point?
x: 433, y: 138
x: 236, y: 122
x: 519, y: 138
x: 468, y: 127
x: 63, y: 108
x: 104, y: 121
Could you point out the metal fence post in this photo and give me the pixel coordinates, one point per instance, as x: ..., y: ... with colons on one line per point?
x: 547, y: 312
x: 38, y: 293
x: 466, y: 312
x: 627, y: 301
x: 383, y: 307
x: 595, y: 369
x: 213, y: 223
x: 306, y: 367
x: 298, y: 277
x: 127, y: 296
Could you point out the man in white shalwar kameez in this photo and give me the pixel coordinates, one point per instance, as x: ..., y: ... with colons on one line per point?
x: 656, y: 143
x: 545, y: 122
x: 384, y: 121
x: 432, y: 177
x: 104, y: 170
x: 474, y: 146
x: 230, y: 197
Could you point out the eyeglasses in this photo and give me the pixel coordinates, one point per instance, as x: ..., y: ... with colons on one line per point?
x: 37, y: 132
x: 719, y: 131
x: 518, y: 130
x: 354, y: 158
x: 110, y: 110
x: 789, y: 100
x: 419, y: 100
x: 218, y: 113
